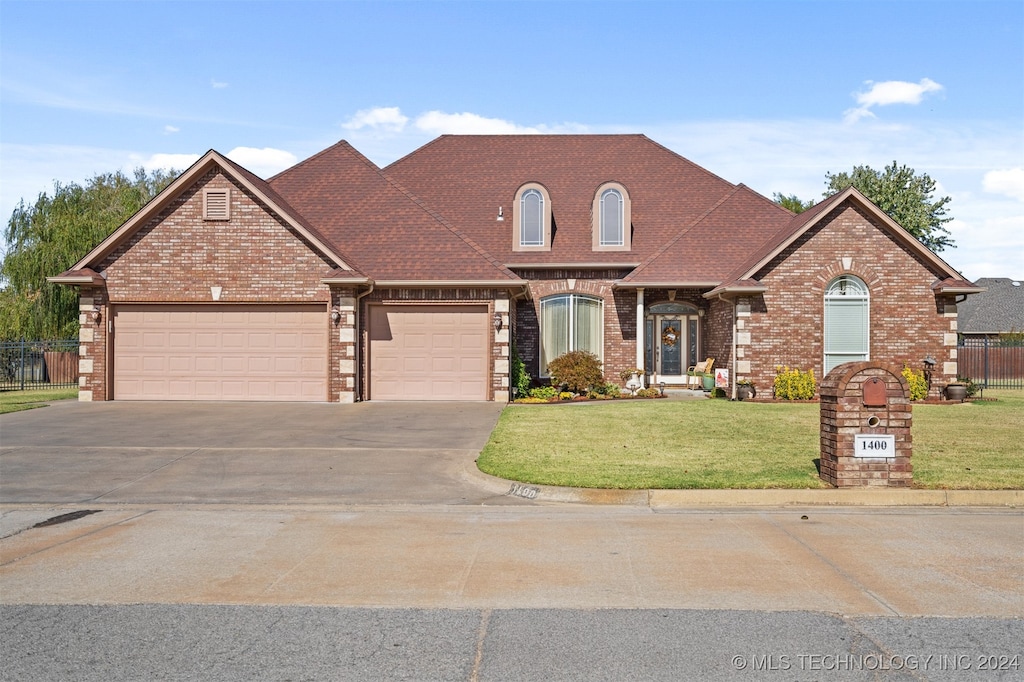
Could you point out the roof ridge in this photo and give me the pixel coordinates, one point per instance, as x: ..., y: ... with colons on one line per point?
x: 340, y: 143
x: 684, y: 230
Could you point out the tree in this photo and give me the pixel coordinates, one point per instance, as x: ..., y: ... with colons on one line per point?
x: 905, y: 197
x: 49, y: 236
x: 792, y: 202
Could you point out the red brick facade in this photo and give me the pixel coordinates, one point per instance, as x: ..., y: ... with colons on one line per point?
x: 263, y: 250
x: 784, y: 326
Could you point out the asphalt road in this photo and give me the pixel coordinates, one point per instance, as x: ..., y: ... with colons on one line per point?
x: 153, y: 642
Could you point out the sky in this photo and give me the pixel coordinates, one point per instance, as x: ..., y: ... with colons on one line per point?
x: 773, y: 95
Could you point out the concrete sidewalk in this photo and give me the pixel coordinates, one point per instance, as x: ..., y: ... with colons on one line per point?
x: 886, y: 562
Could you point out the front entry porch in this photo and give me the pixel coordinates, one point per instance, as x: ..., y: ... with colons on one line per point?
x: 672, y: 343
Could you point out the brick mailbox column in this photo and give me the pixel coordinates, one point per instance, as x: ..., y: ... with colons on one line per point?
x: 865, y: 426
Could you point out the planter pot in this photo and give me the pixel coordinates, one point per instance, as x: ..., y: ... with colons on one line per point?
x: 744, y: 392
x: 956, y: 392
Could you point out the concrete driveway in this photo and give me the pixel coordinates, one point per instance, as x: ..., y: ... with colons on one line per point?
x: 248, y: 453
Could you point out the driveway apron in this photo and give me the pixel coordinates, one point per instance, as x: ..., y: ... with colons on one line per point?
x: 249, y: 453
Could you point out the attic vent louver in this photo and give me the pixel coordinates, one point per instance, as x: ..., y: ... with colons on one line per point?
x: 217, y: 204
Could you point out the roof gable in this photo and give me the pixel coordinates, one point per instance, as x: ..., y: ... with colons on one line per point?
x: 391, y: 233
x: 802, y: 223
x: 259, y: 188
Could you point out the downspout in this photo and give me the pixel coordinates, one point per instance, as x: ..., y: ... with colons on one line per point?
x: 359, y: 341
x: 732, y: 357
x: 641, y: 327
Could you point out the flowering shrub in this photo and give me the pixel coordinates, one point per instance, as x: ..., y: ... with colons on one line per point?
x: 793, y: 384
x: 917, y: 383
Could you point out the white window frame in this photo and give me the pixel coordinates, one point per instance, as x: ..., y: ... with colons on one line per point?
x: 597, y: 216
x: 621, y: 205
x: 847, y: 289
x: 570, y: 331
x: 519, y: 218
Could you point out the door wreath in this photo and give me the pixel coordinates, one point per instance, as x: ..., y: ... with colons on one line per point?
x: 669, y: 336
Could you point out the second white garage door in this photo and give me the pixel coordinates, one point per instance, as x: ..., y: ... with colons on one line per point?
x: 220, y: 352
x: 428, y: 352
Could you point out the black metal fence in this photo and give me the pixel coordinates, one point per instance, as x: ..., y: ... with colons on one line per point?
x: 38, y: 364
x: 991, y: 363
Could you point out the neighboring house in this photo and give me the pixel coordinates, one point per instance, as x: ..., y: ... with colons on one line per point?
x: 999, y: 309
x: 337, y: 280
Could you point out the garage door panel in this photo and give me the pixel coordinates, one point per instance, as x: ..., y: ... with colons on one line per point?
x: 428, y: 352
x: 220, y: 352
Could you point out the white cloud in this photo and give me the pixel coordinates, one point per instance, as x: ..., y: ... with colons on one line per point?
x: 217, y: 85
x: 441, y: 123
x: 889, y: 92
x: 1009, y: 182
x: 178, y: 162
x: 263, y: 162
x: 170, y: 130
x: 383, y: 119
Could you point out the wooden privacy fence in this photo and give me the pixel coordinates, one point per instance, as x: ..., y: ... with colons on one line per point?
x: 38, y: 364
x: 991, y: 363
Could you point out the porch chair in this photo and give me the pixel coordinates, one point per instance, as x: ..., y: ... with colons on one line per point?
x: 700, y: 375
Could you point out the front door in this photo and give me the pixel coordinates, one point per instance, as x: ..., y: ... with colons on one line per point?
x: 672, y: 345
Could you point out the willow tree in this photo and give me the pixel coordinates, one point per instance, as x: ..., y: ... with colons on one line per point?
x: 49, y: 236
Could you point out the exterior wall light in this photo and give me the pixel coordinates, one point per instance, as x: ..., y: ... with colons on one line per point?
x: 94, y: 314
x: 497, y: 322
x: 335, y: 315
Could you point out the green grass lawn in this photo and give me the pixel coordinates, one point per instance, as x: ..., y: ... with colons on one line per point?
x: 14, y: 401
x: 722, y: 444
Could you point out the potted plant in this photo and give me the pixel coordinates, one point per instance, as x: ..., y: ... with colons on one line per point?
x: 956, y: 391
x: 745, y: 389
x: 631, y: 377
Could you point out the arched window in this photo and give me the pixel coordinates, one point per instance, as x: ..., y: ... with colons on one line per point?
x: 611, y: 218
x: 532, y: 219
x: 847, y: 321
x: 531, y: 224
x: 570, y: 322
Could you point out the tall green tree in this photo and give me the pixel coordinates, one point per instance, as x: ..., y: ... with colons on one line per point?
x: 792, y: 202
x: 906, y: 197
x: 49, y: 236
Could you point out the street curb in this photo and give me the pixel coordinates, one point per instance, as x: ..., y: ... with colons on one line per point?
x: 775, y: 497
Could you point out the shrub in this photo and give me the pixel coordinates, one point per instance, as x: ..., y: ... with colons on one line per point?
x: 604, y: 391
x: 544, y: 392
x: 577, y: 370
x: 917, y: 383
x: 972, y: 388
x: 519, y: 377
x: 566, y: 395
x: 793, y: 384
x: 648, y: 393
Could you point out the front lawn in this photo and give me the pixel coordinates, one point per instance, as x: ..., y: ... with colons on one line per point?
x: 722, y: 444
x: 14, y: 401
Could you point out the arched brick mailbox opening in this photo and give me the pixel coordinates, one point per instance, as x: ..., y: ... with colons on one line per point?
x: 865, y: 426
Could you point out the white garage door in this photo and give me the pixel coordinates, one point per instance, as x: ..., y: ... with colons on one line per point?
x: 428, y: 352
x: 220, y: 352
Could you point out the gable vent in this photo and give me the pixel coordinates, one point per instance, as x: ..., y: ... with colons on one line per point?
x: 216, y: 204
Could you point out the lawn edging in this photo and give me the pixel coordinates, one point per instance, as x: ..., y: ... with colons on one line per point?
x: 741, y: 497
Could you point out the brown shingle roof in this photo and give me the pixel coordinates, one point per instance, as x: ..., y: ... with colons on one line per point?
x: 390, y: 234
x: 717, y: 243
x: 466, y: 178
